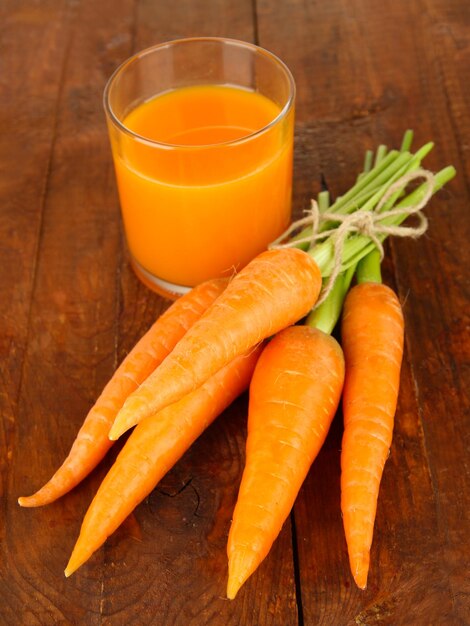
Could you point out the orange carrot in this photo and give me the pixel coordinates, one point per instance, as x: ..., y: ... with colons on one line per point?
x: 152, y: 449
x: 372, y: 339
x: 273, y: 291
x: 294, y: 394
x: 92, y: 441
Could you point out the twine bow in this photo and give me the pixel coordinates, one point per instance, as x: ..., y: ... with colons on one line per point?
x: 367, y: 223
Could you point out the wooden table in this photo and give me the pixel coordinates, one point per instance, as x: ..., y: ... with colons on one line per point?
x: 71, y: 309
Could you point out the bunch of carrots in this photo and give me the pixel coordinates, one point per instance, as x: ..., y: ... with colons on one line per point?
x: 226, y: 336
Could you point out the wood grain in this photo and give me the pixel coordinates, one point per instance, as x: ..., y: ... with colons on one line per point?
x: 31, y: 121
x: 35, y: 42
x: 437, y: 315
x: 71, y: 348
x: 357, y: 89
x: 72, y: 308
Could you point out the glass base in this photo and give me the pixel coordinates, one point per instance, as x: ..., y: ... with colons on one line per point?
x: 160, y: 286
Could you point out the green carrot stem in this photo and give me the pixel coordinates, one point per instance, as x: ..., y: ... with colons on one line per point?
x: 323, y: 200
x: 358, y: 250
x: 365, y: 196
x: 326, y: 315
x: 411, y: 165
x: 368, y: 268
x: 384, y: 176
x: 376, y: 177
x: 406, y: 141
x: 380, y: 154
x: 348, y: 276
x: 373, y: 179
x: 358, y: 195
x: 358, y: 246
x: 368, y: 161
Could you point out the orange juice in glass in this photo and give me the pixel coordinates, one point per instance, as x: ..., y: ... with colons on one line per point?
x: 202, y: 139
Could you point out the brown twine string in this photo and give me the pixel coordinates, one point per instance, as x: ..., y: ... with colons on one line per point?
x: 367, y: 223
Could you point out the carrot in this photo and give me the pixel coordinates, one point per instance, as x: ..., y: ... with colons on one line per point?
x: 273, y: 291
x: 372, y: 339
x: 152, y: 449
x: 92, y: 441
x: 294, y: 394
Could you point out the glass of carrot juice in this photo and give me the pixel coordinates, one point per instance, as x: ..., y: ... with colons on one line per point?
x: 201, y: 133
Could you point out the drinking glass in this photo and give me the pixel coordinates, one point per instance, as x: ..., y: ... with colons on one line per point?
x: 199, y: 209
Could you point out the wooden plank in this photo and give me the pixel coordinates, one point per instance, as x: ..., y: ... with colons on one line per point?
x: 441, y: 342
x: 177, y: 539
x: 88, y: 306
x: 71, y: 348
x: 25, y: 120
x: 213, y: 18
x: 34, y: 48
x: 357, y: 87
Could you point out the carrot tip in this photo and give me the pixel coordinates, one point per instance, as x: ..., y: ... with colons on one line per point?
x: 29, y: 501
x: 40, y: 498
x: 232, y: 589
x: 118, y: 429
x: 360, y: 570
x: 79, y: 556
x: 241, y: 565
x: 115, y: 433
x: 72, y: 566
x: 360, y: 581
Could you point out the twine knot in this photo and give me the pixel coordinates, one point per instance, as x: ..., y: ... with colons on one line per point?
x: 364, y: 223
x: 372, y: 224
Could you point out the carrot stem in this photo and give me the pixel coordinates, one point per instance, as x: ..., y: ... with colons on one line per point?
x: 323, y: 201
x: 325, y: 316
x: 363, y: 189
x: 378, y: 176
x: 370, y: 188
x: 406, y: 141
x: 380, y: 154
x: 368, y: 268
x: 368, y: 161
x: 368, y: 164
x: 358, y: 246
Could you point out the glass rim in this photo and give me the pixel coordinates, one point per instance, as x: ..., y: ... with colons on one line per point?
x: 168, y: 44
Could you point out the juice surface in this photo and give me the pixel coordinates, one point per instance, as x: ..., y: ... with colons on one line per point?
x: 199, y: 207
